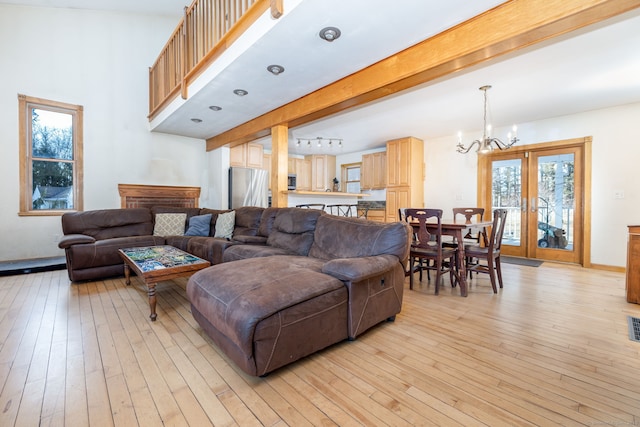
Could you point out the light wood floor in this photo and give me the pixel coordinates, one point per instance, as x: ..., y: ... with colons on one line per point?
x: 552, y: 348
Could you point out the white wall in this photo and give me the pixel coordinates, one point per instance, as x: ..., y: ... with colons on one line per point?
x: 99, y: 60
x: 616, y: 150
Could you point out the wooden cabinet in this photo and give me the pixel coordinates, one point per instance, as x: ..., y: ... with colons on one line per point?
x: 633, y: 265
x: 398, y: 197
x: 373, y: 173
x: 302, y: 170
x: 405, y: 175
x: 246, y: 156
x: 378, y: 215
x: 323, y: 170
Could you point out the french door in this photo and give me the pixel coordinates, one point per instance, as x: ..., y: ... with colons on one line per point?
x: 545, y: 188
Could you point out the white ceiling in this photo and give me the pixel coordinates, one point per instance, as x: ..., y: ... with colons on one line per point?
x: 593, y: 68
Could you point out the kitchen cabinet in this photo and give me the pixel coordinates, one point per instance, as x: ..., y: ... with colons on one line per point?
x: 377, y: 215
x: 373, y: 172
x: 405, y: 175
x: 301, y: 168
x: 246, y: 156
x: 633, y: 265
x: 323, y: 170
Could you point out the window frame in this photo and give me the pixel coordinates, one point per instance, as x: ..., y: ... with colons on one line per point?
x: 25, y: 105
x: 345, y: 174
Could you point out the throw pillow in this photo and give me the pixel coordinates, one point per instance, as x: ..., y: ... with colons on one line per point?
x: 199, y: 225
x: 225, y: 224
x: 169, y: 224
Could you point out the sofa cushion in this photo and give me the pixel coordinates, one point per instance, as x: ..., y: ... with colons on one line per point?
x: 199, y: 225
x: 105, y: 252
x: 108, y: 223
x: 342, y: 237
x: 169, y: 224
x: 247, y: 220
x: 293, y: 230
x: 225, y: 224
x: 266, y: 222
x: 209, y: 248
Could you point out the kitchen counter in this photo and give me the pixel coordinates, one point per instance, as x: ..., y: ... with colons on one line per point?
x: 325, y: 193
x: 373, y: 204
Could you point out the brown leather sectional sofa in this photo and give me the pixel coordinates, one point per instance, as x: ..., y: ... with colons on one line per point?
x: 290, y: 282
x: 92, y: 238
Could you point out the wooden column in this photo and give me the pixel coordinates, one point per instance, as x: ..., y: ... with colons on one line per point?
x: 279, y: 165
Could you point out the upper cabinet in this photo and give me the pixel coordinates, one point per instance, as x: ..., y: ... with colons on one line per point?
x: 405, y: 175
x: 246, y: 156
x: 323, y: 170
x: 373, y: 173
x: 302, y: 169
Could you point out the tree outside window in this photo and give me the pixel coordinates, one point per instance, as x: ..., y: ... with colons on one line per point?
x: 51, y: 153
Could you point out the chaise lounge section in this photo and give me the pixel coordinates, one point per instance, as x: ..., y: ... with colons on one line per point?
x: 317, y: 280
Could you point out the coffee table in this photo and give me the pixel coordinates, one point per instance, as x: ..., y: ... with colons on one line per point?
x: 155, y: 264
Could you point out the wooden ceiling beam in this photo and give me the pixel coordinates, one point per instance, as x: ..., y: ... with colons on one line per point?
x: 510, y: 26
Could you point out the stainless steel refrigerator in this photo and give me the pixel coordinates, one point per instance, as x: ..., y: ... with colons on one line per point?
x: 248, y: 187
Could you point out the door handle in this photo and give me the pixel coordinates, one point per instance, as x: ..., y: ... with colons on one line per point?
x: 524, y: 204
x: 533, y: 204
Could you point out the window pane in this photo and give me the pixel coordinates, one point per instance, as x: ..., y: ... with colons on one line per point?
x: 353, y: 174
x: 51, y: 134
x: 52, y: 185
x: 353, y: 187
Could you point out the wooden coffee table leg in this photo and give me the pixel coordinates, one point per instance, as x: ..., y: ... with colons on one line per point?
x: 152, y: 301
x: 127, y: 273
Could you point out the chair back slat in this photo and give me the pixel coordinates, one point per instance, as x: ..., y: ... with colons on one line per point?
x: 497, y: 230
x: 425, y: 239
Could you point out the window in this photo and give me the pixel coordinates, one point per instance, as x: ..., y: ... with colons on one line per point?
x: 50, y: 156
x: 351, y: 177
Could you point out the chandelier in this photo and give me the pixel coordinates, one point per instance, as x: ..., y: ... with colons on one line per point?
x: 485, y: 144
x: 319, y: 142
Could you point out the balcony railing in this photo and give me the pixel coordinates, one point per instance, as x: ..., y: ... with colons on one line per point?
x: 207, y: 28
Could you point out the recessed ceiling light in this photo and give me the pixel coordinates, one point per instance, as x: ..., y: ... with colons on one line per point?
x: 240, y: 92
x: 329, y: 33
x: 196, y: 120
x: 215, y: 108
x: 275, y: 69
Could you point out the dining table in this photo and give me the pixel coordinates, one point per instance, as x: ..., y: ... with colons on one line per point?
x: 457, y: 229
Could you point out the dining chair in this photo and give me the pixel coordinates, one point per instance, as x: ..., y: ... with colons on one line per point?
x: 428, y: 246
x: 312, y: 206
x: 362, y: 211
x: 489, y: 253
x: 341, y: 210
x: 468, y: 214
x: 469, y: 238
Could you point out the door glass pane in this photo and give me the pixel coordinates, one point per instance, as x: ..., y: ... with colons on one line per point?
x: 556, y: 201
x: 507, y: 194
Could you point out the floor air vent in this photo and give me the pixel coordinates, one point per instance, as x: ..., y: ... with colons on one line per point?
x: 634, y: 328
